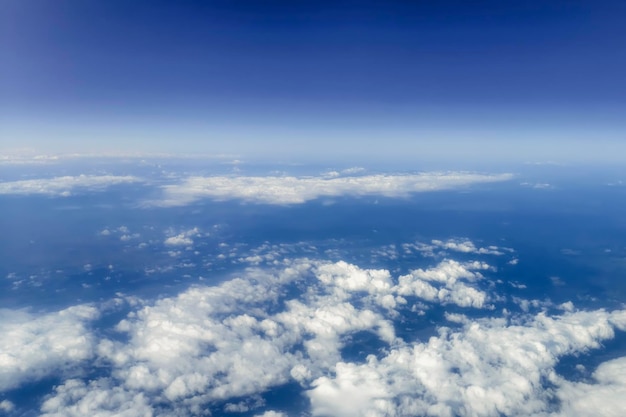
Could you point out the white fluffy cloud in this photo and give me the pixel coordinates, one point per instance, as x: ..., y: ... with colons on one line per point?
x: 467, y: 246
x: 32, y: 347
x: 296, y: 190
x: 271, y: 414
x: 221, y: 347
x: 183, y: 238
x: 606, y: 396
x: 445, y: 284
x: 99, y: 398
x: 489, y: 368
x: 454, y: 245
x: 6, y: 406
x: 216, y: 343
x: 64, y: 186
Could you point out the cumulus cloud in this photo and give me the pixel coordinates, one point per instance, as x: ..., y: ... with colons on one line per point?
x: 209, y: 343
x: 216, y: 343
x: 454, y: 245
x: 605, y: 396
x: 296, y: 190
x: 183, y: 238
x: 99, y: 398
x: 32, y: 347
x: 444, y: 284
x: 64, y: 186
x: 6, y: 406
x: 178, y: 240
x: 489, y: 368
x: 467, y: 246
x: 271, y: 413
x: 219, y: 348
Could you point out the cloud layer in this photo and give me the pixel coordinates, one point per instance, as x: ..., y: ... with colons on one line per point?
x: 64, y: 186
x: 492, y: 367
x: 219, y: 348
x: 297, y: 190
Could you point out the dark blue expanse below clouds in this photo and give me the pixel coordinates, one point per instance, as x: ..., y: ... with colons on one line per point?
x: 183, y: 288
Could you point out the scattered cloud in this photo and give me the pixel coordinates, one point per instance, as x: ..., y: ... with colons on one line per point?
x: 444, y: 284
x: 537, y: 186
x: 99, y: 398
x: 218, y: 348
x: 178, y: 240
x: 489, y: 368
x: 183, y: 238
x: 271, y: 413
x: 467, y: 246
x: 297, y: 190
x: 6, y: 406
x: 64, y: 186
x: 462, y: 245
x: 30, y: 156
x: 123, y: 232
x: 604, y: 396
x: 344, y: 172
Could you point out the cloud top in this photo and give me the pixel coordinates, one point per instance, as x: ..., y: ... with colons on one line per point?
x: 32, y: 347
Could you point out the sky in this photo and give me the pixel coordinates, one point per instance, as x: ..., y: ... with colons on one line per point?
x: 450, y: 80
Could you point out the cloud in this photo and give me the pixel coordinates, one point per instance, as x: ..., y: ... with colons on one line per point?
x: 537, y: 186
x: 271, y: 414
x: 25, y: 158
x: 99, y: 398
x: 178, y: 240
x: 64, y: 186
x: 491, y: 367
x: 251, y: 403
x: 218, y: 348
x: 207, y: 344
x: 183, y: 238
x: 297, y: 190
x: 33, y: 347
x: 6, y: 406
x: 216, y: 343
x: 344, y: 172
x: 454, y: 245
x: 467, y: 246
x: 603, y: 397
x: 444, y: 284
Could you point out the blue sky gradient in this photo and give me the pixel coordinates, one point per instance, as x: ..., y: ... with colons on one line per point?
x: 314, y: 79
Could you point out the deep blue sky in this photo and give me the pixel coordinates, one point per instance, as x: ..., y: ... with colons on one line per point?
x: 453, y: 79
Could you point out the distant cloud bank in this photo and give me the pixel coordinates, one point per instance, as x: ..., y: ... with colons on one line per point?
x: 297, y: 190
x: 279, y: 190
x: 64, y: 186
